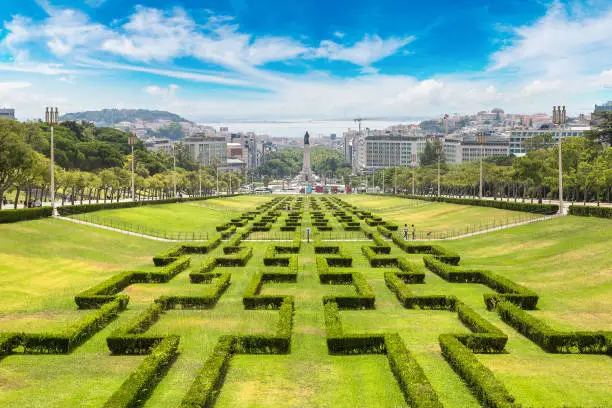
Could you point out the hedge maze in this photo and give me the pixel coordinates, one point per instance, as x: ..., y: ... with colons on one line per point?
x: 232, y: 248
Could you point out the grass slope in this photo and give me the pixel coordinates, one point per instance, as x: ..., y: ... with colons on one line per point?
x: 193, y: 216
x: 567, y: 261
x: 433, y: 216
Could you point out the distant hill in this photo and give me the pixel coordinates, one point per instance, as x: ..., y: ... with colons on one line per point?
x: 109, y: 117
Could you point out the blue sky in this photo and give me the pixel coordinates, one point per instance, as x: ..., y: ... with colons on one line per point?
x: 240, y: 59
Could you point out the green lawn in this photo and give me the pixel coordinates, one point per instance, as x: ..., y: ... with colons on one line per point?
x: 566, y: 261
x: 434, y: 216
x: 189, y: 217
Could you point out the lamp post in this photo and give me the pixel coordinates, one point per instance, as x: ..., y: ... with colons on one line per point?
x: 480, y: 139
x: 439, y: 149
x: 559, y: 118
x: 200, y: 177
x: 413, y: 171
x: 174, y: 169
x: 51, y: 119
x: 132, y: 141
x: 217, y: 172
x: 395, y: 178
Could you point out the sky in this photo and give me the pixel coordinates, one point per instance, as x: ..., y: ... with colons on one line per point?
x: 244, y: 60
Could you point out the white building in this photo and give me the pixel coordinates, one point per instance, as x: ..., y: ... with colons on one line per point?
x: 159, y: 145
x: 207, y: 150
x: 7, y: 113
x: 519, y: 136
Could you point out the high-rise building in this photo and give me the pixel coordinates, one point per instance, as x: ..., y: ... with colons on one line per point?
x: 7, y: 113
x: 518, y: 137
x: 207, y: 150
x: 606, y: 107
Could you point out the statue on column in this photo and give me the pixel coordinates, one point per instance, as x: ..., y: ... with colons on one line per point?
x: 306, y: 139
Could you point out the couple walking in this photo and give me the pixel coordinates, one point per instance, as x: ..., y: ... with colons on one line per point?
x: 406, y: 232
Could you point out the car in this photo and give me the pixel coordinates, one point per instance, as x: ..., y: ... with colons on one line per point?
x: 263, y: 190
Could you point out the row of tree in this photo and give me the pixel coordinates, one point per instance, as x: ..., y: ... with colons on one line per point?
x: 25, y: 175
x: 587, y: 175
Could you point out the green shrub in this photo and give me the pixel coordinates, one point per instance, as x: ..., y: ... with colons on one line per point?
x: 589, y: 211
x: 507, y: 290
x: 75, y: 335
x: 424, y: 248
x: 141, y: 382
x: 487, y: 389
x: 208, y: 382
x: 551, y: 340
x: 410, y: 301
x: 409, y: 375
x: 504, y: 205
x: 23, y: 214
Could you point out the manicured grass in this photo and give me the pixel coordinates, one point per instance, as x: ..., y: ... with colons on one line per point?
x: 190, y: 217
x: 434, y: 216
x: 566, y: 261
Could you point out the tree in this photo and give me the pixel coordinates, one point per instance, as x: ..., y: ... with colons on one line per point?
x: 16, y: 156
x: 542, y: 141
x: 430, y: 153
x: 602, y: 132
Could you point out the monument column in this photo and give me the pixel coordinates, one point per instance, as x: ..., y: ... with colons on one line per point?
x: 306, y: 171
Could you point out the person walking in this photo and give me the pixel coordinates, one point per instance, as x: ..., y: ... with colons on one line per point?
x: 413, y: 233
x: 405, y: 232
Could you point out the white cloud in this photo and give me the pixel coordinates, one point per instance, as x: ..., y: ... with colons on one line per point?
x: 163, y: 92
x: 37, y: 68
x: 538, y: 87
x: 559, y: 45
x: 8, y: 86
x: 64, y: 31
x: 365, y: 52
x: 196, y: 76
x: 339, y: 34
x: 153, y: 35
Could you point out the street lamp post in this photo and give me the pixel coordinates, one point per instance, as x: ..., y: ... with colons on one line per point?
x: 559, y: 118
x: 200, y: 177
x: 413, y: 171
x: 51, y: 119
x: 439, y: 149
x: 132, y: 142
x: 174, y: 169
x: 480, y: 139
x: 217, y: 192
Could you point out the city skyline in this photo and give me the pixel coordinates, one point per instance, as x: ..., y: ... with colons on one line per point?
x: 233, y: 61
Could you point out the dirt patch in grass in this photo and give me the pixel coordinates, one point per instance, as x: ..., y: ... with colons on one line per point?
x: 310, y: 330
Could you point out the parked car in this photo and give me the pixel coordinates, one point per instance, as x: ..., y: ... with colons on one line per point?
x: 263, y: 190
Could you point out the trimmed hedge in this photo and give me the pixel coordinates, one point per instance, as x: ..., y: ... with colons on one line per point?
x: 548, y: 209
x: 205, y: 388
x: 588, y: 211
x: 172, y: 254
x: 107, y: 291
x: 410, y: 301
x: 410, y: 376
x: 365, y: 298
x: 507, y: 290
x: 437, y: 251
x: 551, y: 340
x: 24, y: 214
x: 67, y: 340
x: 86, y: 208
x: 141, y: 382
x: 376, y: 260
x: 488, y: 389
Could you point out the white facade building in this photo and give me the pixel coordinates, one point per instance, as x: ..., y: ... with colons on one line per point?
x: 517, y: 137
x: 7, y: 113
x: 207, y: 150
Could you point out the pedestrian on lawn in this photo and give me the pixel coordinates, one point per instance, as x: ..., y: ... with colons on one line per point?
x: 413, y: 232
x: 405, y: 232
